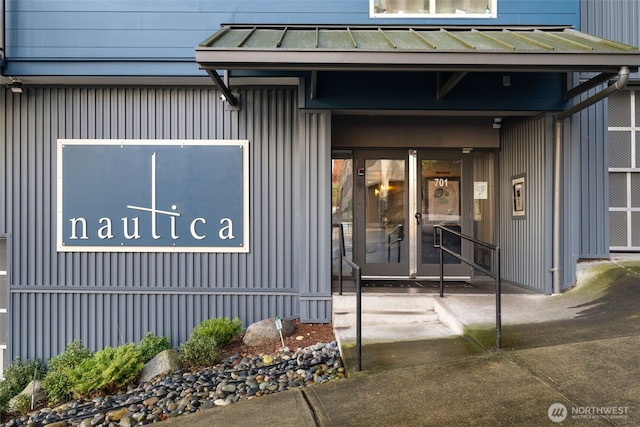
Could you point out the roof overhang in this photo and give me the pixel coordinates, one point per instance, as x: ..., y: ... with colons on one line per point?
x: 393, y: 48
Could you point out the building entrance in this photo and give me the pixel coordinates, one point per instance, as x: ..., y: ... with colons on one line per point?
x: 388, y: 201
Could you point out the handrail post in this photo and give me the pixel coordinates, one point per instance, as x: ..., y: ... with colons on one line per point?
x: 343, y: 253
x: 358, y: 318
x: 498, y: 301
x: 437, y: 232
x: 441, y: 263
x: 340, y: 276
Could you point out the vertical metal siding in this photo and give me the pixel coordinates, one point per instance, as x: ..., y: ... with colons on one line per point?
x: 106, y: 298
x: 590, y: 181
x: 618, y: 20
x: 314, y: 219
x: 613, y: 19
x: 525, y: 242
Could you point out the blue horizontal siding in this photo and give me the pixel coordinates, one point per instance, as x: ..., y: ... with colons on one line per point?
x: 546, y: 7
x: 55, y: 31
x: 187, y: 67
x: 47, y: 20
x: 197, y: 6
x: 90, y: 40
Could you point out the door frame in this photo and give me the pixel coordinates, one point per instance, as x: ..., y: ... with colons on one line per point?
x: 410, y: 268
x: 375, y: 270
x: 456, y: 271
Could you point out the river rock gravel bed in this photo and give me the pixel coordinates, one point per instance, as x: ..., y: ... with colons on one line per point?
x: 186, y: 391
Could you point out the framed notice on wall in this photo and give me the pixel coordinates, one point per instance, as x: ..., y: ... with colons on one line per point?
x: 153, y: 195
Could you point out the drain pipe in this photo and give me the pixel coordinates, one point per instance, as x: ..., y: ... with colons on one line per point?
x: 623, y: 79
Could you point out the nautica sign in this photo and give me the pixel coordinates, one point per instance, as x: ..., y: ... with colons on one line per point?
x: 153, y: 195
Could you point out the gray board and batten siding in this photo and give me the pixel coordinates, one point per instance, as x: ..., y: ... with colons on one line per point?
x: 105, y: 299
x: 4, y: 258
x: 525, y: 241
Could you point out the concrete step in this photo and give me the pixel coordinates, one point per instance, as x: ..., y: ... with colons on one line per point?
x: 386, y: 317
x: 383, y: 302
x: 375, y: 334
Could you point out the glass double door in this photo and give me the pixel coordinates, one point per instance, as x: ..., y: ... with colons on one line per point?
x: 399, y: 197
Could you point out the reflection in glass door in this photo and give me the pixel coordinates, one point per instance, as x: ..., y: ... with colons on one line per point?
x: 441, y: 201
x: 383, y: 197
x: 341, y: 210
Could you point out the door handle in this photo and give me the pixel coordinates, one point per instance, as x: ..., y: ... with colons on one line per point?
x: 418, y: 216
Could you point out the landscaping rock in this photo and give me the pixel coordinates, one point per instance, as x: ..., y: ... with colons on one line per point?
x: 31, y: 388
x: 265, y: 331
x: 164, y: 362
x: 196, y: 390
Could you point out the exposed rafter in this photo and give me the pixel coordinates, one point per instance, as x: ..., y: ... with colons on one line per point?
x: 226, y: 92
x: 444, y: 89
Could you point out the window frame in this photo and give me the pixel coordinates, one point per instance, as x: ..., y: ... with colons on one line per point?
x: 432, y: 3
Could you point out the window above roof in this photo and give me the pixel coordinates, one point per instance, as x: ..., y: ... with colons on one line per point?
x: 459, y: 9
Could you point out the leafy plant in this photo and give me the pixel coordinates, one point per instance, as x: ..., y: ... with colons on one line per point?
x: 222, y: 329
x: 150, y: 345
x: 57, y: 383
x: 107, y: 370
x: 16, y: 377
x: 199, y: 351
x: 203, y: 346
x: 22, y: 404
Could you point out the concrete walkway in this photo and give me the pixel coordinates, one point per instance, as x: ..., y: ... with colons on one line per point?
x: 568, y: 359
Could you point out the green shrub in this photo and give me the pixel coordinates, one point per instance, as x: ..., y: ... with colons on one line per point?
x: 57, y: 386
x: 16, y: 377
x: 199, y: 351
x: 57, y: 383
x: 73, y: 354
x: 203, y: 346
x: 107, y: 370
x: 150, y: 345
x: 222, y: 329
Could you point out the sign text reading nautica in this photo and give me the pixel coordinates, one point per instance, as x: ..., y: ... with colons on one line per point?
x: 130, y: 227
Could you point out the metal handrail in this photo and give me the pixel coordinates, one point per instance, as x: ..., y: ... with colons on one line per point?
x: 495, y: 250
x: 357, y: 272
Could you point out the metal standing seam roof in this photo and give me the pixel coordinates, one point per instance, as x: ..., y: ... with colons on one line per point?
x: 412, y: 48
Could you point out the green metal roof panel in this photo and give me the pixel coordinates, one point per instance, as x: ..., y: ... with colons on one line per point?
x: 372, y: 40
x: 263, y: 39
x: 384, y: 47
x: 335, y: 39
x: 443, y: 40
x: 518, y: 43
x: 407, y: 40
x: 230, y: 38
x: 299, y: 39
x: 596, y: 43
